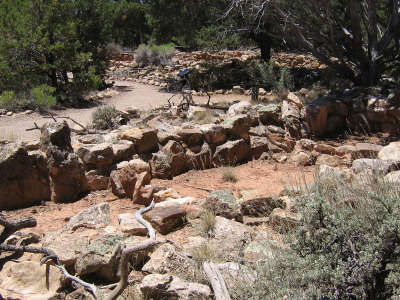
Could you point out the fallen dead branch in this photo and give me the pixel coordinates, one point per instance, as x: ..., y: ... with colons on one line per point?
x: 49, y: 255
x: 216, y: 280
x: 128, y: 252
x: 198, y: 187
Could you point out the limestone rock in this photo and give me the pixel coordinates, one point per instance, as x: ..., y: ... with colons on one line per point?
x: 256, y: 204
x: 102, y: 255
x: 302, y: 158
x: 316, y: 116
x: 24, y: 178
x: 129, y: 224
x: 19, y: 279
x: 94, y: 181
x: 231, y: 152
x: 391, y: 151
x: 378, y: 166
x: 96, y: 155
x: 270, y: 114
x: 229, y: 238
x: 96, y: 216
x: 237, y: 126
x: 67, y: 246
x: 223, y: 203
x: 258, y: 146
x: 169, y: 161
x: 191, y: 137
x: 200, y: 160
x: 145, y: 140
x: 393, y: 177
x: 167, y: 260
x: 123, y: 182
x: 213, y: 134
x: 166, y: 219
x: 166, y: 286
x: 166, y: 194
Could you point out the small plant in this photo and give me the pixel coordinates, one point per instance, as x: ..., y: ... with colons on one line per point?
x: 154, y: 55
x: 207, y: 222
x: 105, y: 117
x: 8, y: 100
x: 42, y: 97
x: 262, y: 74
x: 203, y: 253
x: 229, y: 174
x: 203, y: 117
x: 285, y: 79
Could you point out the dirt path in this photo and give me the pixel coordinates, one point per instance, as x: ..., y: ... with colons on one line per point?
x: 132, y: 94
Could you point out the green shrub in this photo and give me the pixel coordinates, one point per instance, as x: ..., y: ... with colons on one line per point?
x: 285, y: 79
x: 262, y: 74
x: 8, y: 100
x: 105, y: 117
x: 42, y: 97
x: 347, y: 246
x: 154, y: 55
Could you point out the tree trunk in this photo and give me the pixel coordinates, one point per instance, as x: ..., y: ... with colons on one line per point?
x: 264, y: 42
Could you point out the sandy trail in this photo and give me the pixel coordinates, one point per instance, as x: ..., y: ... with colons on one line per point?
x: 132, y: 94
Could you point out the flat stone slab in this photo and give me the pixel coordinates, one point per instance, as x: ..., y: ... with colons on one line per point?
x: 165, y: 219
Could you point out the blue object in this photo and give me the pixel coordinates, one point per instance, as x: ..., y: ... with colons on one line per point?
x: 184, y: 73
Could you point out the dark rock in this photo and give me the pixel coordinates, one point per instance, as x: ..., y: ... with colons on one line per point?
x: 223, y: 203
x: 230, y: 153
x: 166, y: 219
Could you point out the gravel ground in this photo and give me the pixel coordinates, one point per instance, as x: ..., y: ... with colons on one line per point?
x: 132, y: 94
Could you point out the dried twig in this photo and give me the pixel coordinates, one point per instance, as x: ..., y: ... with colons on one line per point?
x: 199, y: 187
x: 33, y: 128
x: 216, y: 280
x: 50, y: 255
x: 128, y: 252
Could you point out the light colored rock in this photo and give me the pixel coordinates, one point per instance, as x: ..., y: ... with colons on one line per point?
x: 223, y: 203
x: 380, y: 167
x: 391, y: 151
x: 96, y: 155
x: 129, y: 224
x: 97, y: 216
x: 302, y: 158
x: 167, y: 260
x: 237, y: 126
x: 213, y: 134
x: 145, y: 140
x: 393, y: 177
x: 166, y: 194
x: 172, y: 287
x: 27, y: 280
x: 67, y: 246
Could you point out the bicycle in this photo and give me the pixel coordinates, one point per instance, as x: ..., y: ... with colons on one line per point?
x: 181, y: 88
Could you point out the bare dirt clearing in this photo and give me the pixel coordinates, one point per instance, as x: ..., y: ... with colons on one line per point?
x: 132, y: 94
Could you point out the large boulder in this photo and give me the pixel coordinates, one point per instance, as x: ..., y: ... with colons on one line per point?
x: 96, y: 216
x: 65, y: 167
x: 123, y: 182
x: 237, y: 126
x: 213, y: 134
x: 20, y: 279
x: 169, y: 161
x: 191, y: 137
x: 391, y: 151
x: 230, y: 153
x: 102, y: 256
x: 145, y: 140
x: 200, y: 160
x: 24, y: 178
x: 97, y: 155
x: 316, y: 116
x: 223, y: 203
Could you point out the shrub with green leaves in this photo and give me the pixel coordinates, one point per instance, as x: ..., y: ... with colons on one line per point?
x: 8, y: 100
x: 42, y: 97
x: 154, y: 55
x: 285, y: 79
x: 105, y: 117
x: 347, y: 246
x: 262, y: 74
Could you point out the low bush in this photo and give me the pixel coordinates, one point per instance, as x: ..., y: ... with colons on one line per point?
x: 347, y: 246
x: 154, y: 55
x: 229, y: 174
x: 42, y: 97
x: 105, y: 117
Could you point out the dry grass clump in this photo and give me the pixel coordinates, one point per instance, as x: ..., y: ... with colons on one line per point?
x: 229, y: 174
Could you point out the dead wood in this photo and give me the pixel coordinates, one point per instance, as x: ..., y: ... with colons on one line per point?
x: 216, y: 280
x: 128, y: 252
x: 11, y: 227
